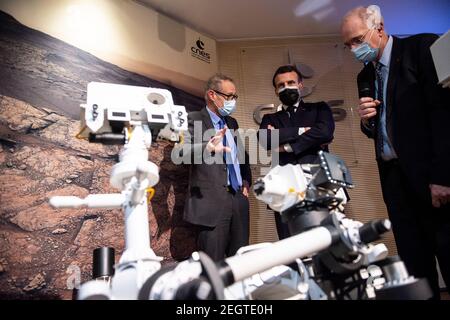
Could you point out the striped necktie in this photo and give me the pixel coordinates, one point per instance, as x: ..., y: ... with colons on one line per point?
x: 381, y: 107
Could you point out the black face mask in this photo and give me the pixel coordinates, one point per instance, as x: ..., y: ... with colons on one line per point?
x: 289, y: 96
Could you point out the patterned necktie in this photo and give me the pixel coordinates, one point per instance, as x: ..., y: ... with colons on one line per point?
x: 230, y: 167
x: 381, y: 107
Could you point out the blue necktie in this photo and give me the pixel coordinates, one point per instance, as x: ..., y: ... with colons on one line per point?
x: 379, y: 76
x: 230, y: 166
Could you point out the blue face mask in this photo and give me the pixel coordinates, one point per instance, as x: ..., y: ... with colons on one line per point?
x: 365, y: 53
x: 228, y: 108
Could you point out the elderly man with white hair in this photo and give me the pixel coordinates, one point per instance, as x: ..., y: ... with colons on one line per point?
x: 407, y: 113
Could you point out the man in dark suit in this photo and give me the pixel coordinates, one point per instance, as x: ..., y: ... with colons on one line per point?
x: 217, y: 199
x: 303, y: 128
x: 408, y: 119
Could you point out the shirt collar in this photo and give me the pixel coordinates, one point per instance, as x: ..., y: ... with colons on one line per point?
x: 284, y: 107
x: 214, y: 117
x: 386, y: 56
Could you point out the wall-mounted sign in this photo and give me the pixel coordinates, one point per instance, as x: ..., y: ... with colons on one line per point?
x: 257, y: 113
x: 198, y: 51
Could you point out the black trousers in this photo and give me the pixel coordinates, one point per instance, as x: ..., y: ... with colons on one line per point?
x: 421, y: 231
x: 230, y: 233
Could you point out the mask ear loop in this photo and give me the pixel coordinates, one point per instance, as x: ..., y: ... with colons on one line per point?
x: 379, y: 40
x: 379, y: 43
x: 371, y: 34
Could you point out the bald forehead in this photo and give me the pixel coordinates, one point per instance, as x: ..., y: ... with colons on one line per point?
x: 353, y: 20
x: 352, y: 26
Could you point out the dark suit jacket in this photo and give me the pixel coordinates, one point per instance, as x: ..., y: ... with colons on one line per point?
x: 207, y: 199
x: 418, y: 112
x: 305, y: 147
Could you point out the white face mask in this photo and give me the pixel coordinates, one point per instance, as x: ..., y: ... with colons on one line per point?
x: 228, y: 108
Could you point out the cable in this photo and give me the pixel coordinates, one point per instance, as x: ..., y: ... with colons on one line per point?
x: 78, y: 135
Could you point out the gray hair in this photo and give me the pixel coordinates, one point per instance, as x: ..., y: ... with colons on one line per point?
x: 371, y: 15
x: 215, y: 82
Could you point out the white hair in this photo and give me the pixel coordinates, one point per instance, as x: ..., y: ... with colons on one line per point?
x: 370, y: 15
x: 374, y: 18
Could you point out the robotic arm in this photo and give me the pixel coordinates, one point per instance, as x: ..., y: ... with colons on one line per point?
x: 129, y: 116
x: 309, y: 199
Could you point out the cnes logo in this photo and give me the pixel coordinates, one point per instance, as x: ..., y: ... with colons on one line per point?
x: 198, y: 51
x: 200, y: 44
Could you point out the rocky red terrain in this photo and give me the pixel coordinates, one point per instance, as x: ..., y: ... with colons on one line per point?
x: 41, y: 247
x: 42, y: 83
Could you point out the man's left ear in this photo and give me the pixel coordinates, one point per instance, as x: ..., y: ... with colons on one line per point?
x: 300, y: 85
x: 211, y: 95
x: 380, y: 27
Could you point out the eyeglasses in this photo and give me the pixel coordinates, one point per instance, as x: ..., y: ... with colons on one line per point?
x: 228, y: 97
x: 356, y: 41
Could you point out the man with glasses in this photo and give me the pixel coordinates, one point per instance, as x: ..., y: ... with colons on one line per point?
x: 217, y: 199
x: 407, y: 117
x: 303, y: 128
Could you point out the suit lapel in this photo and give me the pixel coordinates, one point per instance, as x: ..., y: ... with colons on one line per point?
x: 299, y: 114
x: 232, y: 124
x: 392, y: 79
x: 206, y: 123
x: 206, y: 119
x: 285, y: 120
x: 229, y: 123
